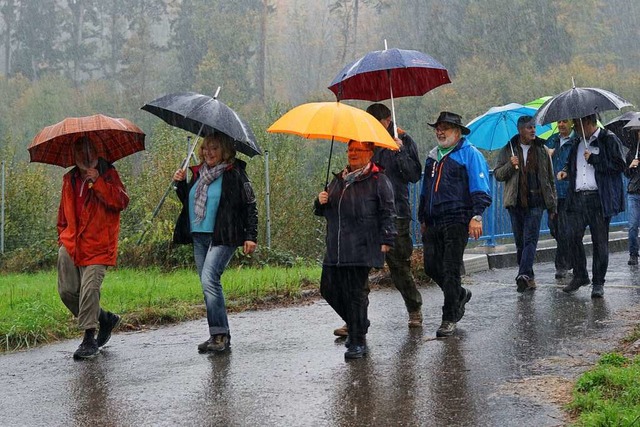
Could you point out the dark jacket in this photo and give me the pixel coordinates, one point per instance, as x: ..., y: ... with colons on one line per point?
x: 455, y: 188
x: 559, y: 160
x: 360, y: 218
x: 609, y: 165
x: 506, y: 172
x: 401, y: 167
x: 237, y: 216
x: 632, y: 173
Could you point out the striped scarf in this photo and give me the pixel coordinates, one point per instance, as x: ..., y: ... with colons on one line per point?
x: 350, y: 177
x: 208, y: 174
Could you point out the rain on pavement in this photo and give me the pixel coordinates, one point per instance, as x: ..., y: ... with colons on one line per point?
x: 285, y: 368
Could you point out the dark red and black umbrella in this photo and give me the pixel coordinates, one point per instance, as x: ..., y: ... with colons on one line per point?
x: 113, y: 139
x: 389, y: 74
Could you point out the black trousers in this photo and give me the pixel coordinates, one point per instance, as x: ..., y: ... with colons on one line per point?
x: 588, y: 212
x: 443, y: 251
x: 559, y: 228
x: 346, y: 289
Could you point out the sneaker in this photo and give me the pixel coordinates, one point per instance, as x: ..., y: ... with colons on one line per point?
x: 561, y: 273
x: 575, y: 284
x: 597, y: 291
x: 633, y: 260
x: 463, y: 301
x: 446, y: 329
x: 108, y: 322
x: 342, y: 331
x: 356, y: 351
x: 415, y: 319
x: 522, y: 282
x: 88, y: 349
x: 215, y: 343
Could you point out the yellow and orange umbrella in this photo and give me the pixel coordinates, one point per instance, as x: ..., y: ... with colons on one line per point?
x: 334, y: 121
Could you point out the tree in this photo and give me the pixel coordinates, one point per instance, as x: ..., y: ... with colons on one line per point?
x: 8, y: 11
x: 79, y: 27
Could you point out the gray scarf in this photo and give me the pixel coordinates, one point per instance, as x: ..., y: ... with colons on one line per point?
x: 208, y: 174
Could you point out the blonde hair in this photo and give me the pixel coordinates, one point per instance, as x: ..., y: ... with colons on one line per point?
x: 226, y: 144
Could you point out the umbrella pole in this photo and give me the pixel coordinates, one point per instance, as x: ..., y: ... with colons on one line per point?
x: 326, y: 181
x: 393, y: 107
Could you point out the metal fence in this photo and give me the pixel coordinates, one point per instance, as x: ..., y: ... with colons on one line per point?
x: 496, y: 221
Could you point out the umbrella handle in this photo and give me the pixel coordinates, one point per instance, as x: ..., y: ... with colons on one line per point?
x: 326, y: 182
x: 512, y: 153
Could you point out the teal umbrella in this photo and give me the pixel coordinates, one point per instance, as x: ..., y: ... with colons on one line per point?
x: 536, y: 103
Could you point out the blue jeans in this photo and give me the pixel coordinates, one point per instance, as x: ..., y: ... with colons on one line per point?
x: 210, y: 263
x: 525, y: 224
x: 634, y: 222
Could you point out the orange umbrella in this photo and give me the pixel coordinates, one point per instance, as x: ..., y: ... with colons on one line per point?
x: 113, y: 139
x: 334, y: 121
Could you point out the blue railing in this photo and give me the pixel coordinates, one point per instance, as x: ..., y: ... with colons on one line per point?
x: 496, y: 221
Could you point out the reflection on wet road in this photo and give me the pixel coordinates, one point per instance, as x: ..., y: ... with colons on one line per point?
x: 286, y: 369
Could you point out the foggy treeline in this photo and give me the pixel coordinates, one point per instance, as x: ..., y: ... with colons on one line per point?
x: 64, y: 58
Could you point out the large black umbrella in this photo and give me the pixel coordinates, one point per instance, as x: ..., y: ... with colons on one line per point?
x: 203, y: 115
x: 617, y: 126
x: 578, y: 102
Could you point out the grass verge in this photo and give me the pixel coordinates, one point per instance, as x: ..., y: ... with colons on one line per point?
x: 609, y: 394
x: 31, y: 312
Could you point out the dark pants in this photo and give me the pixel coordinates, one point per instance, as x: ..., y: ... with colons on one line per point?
x: 443, y: 250
x: 525, y: 224
x: 588, y: 212
x: 559, y: 228
x: 399, y: 262
x: 346, y: 289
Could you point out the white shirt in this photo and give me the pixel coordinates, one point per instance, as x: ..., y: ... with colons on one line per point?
x: 525, y: 152
x: 586, y: 173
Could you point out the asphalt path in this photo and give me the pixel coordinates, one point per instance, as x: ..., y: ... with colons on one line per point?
x: 513, y: 358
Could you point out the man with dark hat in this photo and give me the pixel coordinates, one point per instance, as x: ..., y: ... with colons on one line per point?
x: 455, y: 193
x: 525, y: 167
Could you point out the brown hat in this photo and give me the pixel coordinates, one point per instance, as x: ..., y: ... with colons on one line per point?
x: 453, y: 118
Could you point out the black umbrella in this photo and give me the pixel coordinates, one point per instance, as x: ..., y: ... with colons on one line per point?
x: 203, y: 115
x: 578, y: 102
x: 628, y: 137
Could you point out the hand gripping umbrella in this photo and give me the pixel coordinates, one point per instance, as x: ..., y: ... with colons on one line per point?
x: 389, y: 73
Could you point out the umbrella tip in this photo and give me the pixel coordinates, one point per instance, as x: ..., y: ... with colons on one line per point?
x: 573, y: 83
x: 385, y: 44
x: 215, y: 96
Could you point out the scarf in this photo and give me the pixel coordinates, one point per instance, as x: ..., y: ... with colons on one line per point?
x: 350, y: 177
x: 528, y: 171
x: 208, y: 174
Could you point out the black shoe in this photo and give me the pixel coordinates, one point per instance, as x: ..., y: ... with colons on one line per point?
x: 356, y: 351
x: 522, y: 282
x: 216, y: 343
x: 463, y: 301
x: 446, y: 329
x: 575, y: 284
x: 597, y: 291
x: 531, y: 284
x: 633, y: 260
x: 88, y: 348
x: 108, y: 322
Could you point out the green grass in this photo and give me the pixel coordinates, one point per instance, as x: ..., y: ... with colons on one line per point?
x: 31, y: 312
x: 609, y: 395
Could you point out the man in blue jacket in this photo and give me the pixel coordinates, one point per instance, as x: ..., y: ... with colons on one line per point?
x: 559, y: 145
x: 455, y: 193
x: 595, y: 194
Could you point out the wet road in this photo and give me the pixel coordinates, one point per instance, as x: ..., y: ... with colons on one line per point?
x: 286, y: 369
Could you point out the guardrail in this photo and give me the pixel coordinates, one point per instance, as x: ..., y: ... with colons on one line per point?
x: 496, y: 221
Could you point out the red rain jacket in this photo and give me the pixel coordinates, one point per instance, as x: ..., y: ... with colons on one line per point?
x: 93, y: 238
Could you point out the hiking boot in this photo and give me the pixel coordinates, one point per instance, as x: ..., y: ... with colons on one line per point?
x: 597, y: 291
x: 446, y: 329
x: 108, y: 322
x: 463, y: 301
x: 415, y: 319
x: 561, y: 273
x: 575, y: 284
x: 342, y: 331
x: 356, y: 351
x: 633, y: 260
x: 522, y: 282
x: 215, y: 343
x: 88, y: 349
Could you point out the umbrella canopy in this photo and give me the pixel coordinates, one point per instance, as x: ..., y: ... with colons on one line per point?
x: 617, y: 126
x: 384, y: 74
x: 203, y: 115
x: 494, y: 129
x: 113, y: 139
x: 335, y: 121
x: 634, y: 123
x: 578, y: 102
x: 537, y: 103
